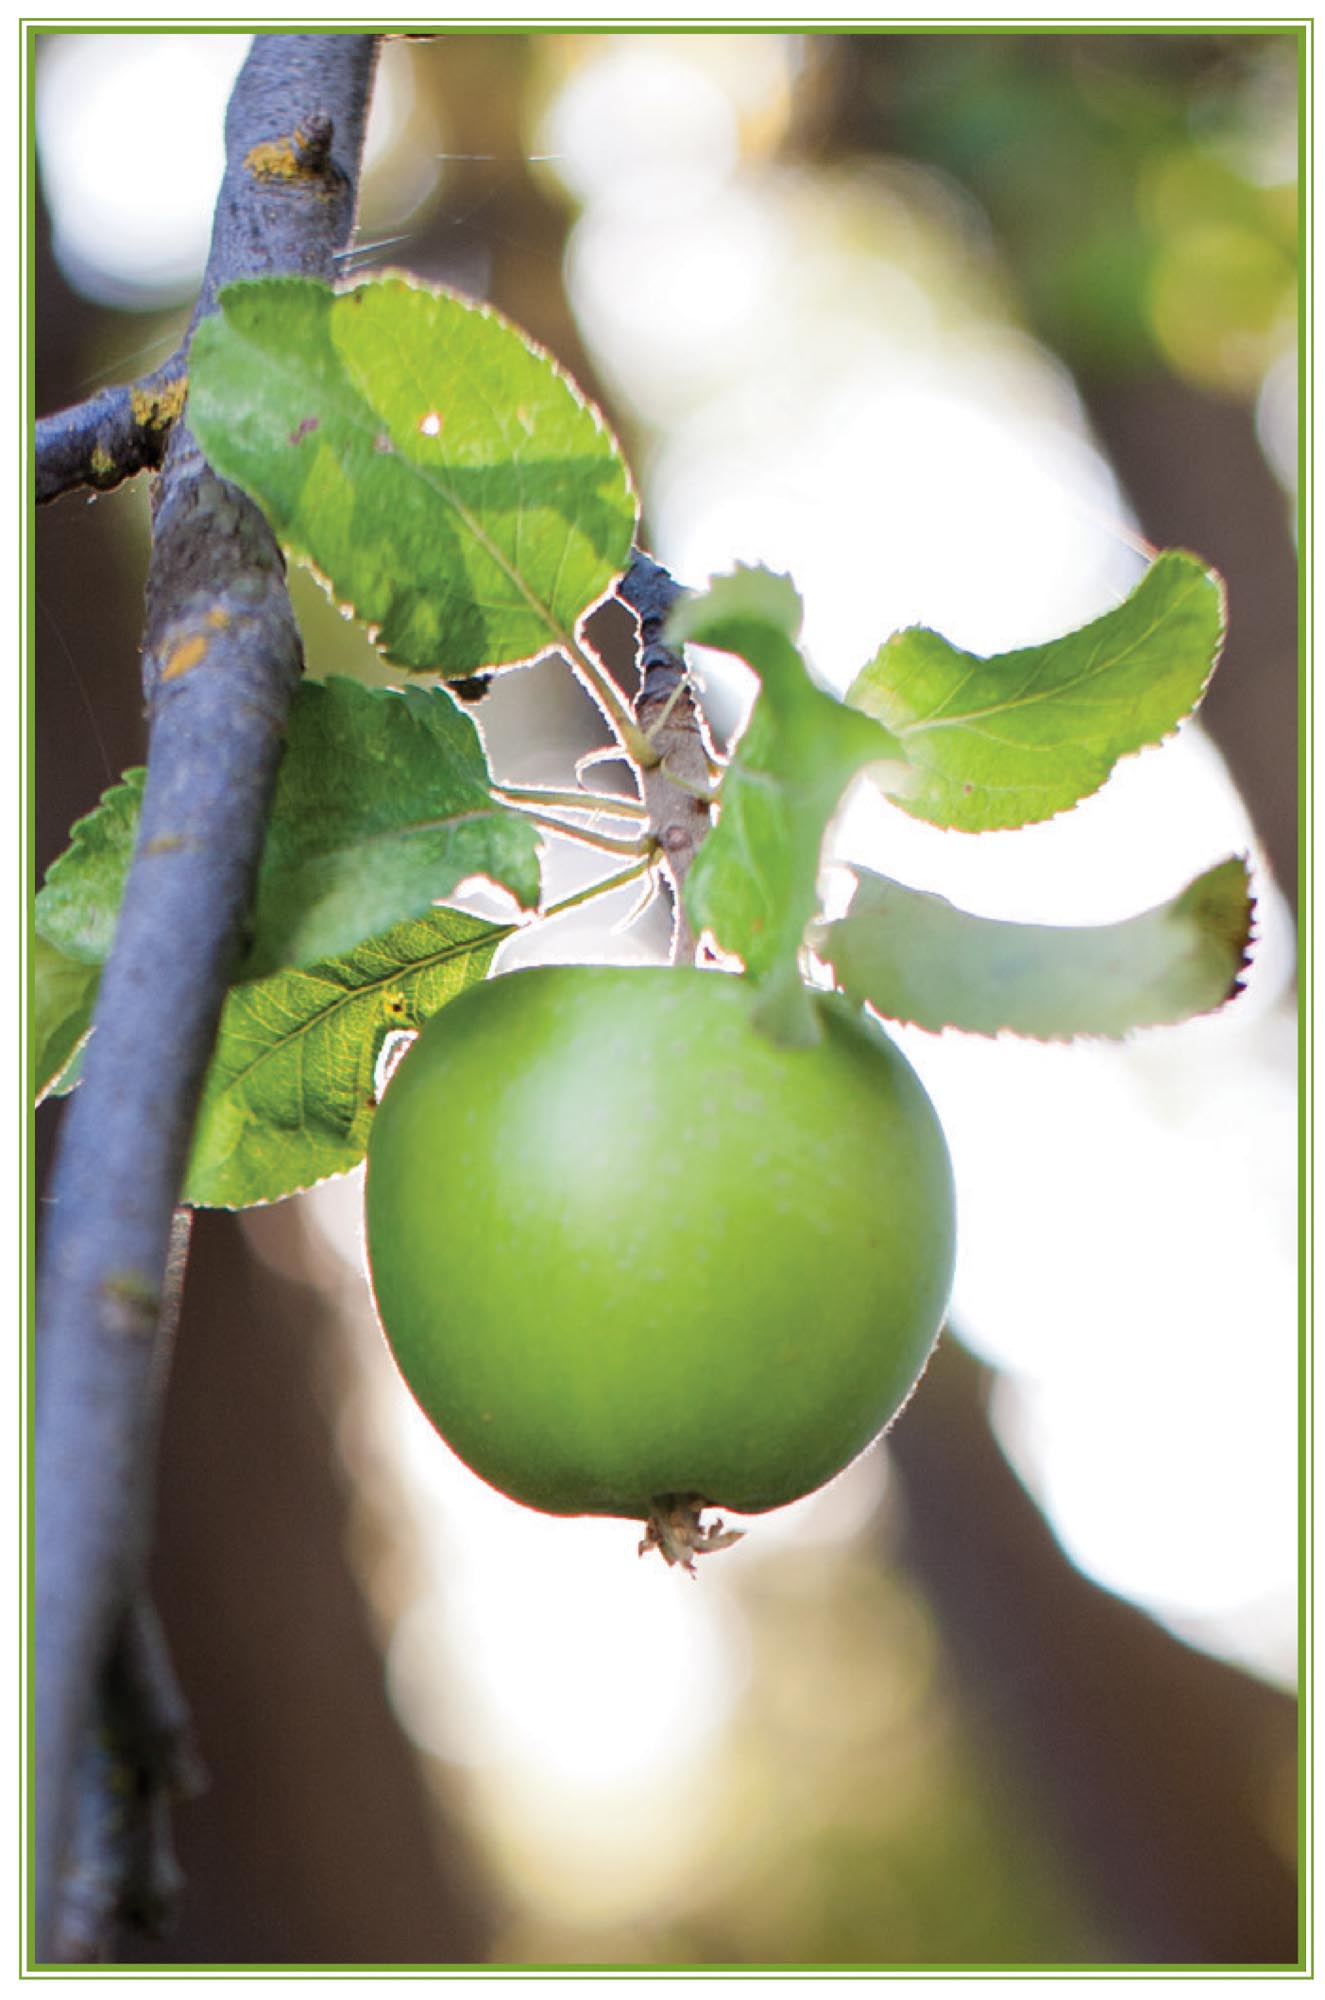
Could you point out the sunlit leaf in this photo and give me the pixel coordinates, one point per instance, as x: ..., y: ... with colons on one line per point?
x: 1018, y: 737
x: 289, y: 1097
x: 441, y: 472
x: 63, y: 992
x: 78, y: 904
x: 754, y: 881
x: 382, y: 807
x: 916, y: 957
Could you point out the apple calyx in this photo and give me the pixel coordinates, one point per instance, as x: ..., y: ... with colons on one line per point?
x: 676, y: 1530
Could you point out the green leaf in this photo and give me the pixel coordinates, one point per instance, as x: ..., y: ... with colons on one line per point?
x: 1005, y: 741
x: 77, y: 905
x: 754, y: 880
x: 63, y: 992
x: 446, y: 478
x: 916, y: 957
x: 289, y: 1097
x: 750, y: 598
x: 382, y: 807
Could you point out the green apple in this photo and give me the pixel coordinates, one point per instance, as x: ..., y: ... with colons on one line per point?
x: 635, y: 1258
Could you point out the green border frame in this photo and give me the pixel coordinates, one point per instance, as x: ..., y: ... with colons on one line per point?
x: 31, y: 29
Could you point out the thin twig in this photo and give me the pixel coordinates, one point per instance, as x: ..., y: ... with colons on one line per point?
x: 678, y: 786
x: 111, y: 436
x: 217, y: 709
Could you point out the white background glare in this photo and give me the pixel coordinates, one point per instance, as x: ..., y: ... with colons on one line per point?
x: 131, y: 223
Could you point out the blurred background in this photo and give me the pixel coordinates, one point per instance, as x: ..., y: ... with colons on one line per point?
x: 951, y: 327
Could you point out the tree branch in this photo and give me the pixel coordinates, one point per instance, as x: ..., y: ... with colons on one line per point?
x: 137, y: 1757
x: 677, y: 788
x: 112, y: 436
x: 221, y: 660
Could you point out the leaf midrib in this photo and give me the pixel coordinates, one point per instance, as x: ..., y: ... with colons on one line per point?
x: 348, y: 996
x: 280, y: 366
x: 1059, y: 689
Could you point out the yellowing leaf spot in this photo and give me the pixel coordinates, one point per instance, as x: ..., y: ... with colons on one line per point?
x: 184, y: 656
x: 431, y: 425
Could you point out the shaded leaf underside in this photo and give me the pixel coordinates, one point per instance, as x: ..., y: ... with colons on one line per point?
x: 916, y: 957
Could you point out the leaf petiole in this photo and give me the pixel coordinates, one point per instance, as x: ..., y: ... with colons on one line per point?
x: 587, y: 895
x: 611, y: 804
x: 642, y: 844
x: 610, y: 699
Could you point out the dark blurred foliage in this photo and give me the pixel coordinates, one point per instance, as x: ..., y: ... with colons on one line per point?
x: 1082, y: 1787
x: 1106, y: 166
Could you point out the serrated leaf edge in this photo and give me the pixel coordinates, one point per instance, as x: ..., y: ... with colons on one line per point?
x: 898, y: 797
x: 347, y: 997
x: 132, y: 780
x: 1242, y: 939
x: 558, y: 636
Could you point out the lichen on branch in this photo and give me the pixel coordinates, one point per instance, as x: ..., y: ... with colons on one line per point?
x: 112, y: 436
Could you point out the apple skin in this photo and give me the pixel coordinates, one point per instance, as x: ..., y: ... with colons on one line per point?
x: 625, y: 1248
